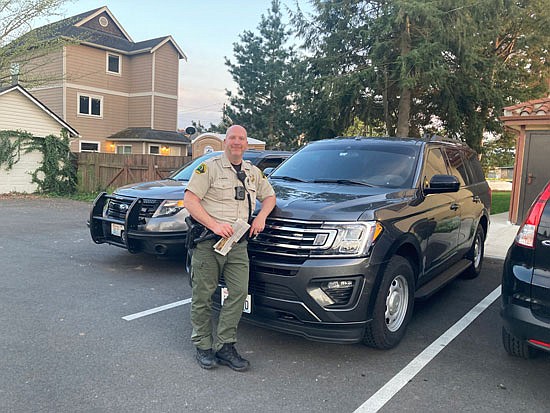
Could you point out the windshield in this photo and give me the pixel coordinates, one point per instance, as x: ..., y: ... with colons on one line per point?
x: 390, y: 165
x: 185, y: 172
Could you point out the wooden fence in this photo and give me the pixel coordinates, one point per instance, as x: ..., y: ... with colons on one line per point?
x: 106, y: 171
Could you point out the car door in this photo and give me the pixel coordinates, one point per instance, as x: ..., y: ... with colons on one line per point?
x: 439, y: 221
x: 469, y: 204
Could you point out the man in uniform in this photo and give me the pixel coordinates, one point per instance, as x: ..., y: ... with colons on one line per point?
x: 221, y: 190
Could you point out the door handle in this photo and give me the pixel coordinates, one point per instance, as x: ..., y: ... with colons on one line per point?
x: 530, y: 178
x: 546, y: 243
x: 454, y: 207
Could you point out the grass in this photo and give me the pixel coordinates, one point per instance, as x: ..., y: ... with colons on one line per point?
x: 500, y: 201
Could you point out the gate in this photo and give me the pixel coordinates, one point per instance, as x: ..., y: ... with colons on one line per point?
x: 104, y: 171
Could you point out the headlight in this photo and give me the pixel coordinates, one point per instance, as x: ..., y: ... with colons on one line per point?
x: 168, y: 208
x: 354, y: 239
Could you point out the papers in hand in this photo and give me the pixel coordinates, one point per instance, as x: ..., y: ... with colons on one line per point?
x: 224, y: 245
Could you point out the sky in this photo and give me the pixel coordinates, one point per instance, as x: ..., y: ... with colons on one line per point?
x: 204, y: 29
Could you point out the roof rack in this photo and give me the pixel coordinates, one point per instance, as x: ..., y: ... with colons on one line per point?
x: 428, y: 138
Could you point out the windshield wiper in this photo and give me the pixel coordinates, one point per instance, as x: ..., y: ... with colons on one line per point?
x: 342, y: 181
x: 288, y: 178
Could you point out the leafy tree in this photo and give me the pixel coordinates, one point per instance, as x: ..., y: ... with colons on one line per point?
x: 263, y: 72
x: 499, y: 152
x: 19, y: 45
x: 403, y: 62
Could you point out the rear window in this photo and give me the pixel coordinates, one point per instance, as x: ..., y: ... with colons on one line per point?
x: 475, y: 167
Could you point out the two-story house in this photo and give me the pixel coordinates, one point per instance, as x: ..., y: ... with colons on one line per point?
x: 119, y: 94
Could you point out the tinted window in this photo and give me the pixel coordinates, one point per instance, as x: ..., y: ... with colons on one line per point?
x: 435, y: 165
x: 271, y: 162
x: 456, y: 165
x: 475, y: 167
x: 376, y: 164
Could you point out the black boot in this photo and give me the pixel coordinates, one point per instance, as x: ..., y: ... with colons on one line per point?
x: 206, y: 358
x: 228, y: 356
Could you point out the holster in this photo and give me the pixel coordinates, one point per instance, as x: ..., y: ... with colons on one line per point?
x: 196, y: 233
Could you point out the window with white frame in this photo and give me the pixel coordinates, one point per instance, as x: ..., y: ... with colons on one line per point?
x: 124, y: 149
x: 89, y: 146
x: 154, y: 150
x: 90, y: 105
x: 114, y: 64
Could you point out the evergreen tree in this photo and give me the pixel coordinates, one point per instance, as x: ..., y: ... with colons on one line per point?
x: 263, y: 72
x: 401, y: 63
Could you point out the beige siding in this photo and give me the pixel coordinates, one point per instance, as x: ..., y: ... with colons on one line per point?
x: 165, y: 114
x: 87, y: 67
x: 141, y: 72
x: 166, y: 70
x: 18, y: 112
x: 115, y: 116
x: 139, y: 112
x: 18, y: 179
x: 42, y: 70
x: 52, y: 98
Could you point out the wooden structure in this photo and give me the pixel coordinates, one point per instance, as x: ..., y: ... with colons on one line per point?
x: 531, y: 122
x: 106, y: 171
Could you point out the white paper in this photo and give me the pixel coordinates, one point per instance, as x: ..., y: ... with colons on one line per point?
x: 224, y: 245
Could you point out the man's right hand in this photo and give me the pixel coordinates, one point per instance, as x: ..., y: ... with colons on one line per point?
x: 223, y: 229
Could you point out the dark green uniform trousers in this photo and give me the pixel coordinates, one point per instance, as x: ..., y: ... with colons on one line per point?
x: 207, y: 266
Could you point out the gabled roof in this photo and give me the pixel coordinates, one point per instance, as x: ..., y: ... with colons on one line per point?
x: 26, y: 93
x: 100, y: 28
x: 150, y: 135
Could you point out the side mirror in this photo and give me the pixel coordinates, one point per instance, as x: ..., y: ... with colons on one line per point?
x: 442, y: 183
x: 267, y: 171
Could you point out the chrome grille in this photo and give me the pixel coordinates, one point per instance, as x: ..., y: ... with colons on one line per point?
x: 292, y: 238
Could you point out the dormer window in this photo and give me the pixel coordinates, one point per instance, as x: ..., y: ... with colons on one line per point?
x: 113, y: 64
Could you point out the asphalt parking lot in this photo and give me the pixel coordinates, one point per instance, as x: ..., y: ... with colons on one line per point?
x: 67, y: 342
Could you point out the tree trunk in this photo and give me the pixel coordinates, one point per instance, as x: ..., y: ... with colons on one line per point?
x: 404, y: 109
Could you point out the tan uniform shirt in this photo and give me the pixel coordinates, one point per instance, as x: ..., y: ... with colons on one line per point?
x: 214, y: 182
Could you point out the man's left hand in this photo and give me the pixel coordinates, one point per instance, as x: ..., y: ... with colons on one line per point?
x: 257, y: 226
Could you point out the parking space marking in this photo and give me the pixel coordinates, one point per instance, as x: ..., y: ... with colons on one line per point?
x: 390, y: 389
x: 156, y: 310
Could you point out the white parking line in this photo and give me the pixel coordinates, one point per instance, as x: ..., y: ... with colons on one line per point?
x: 156, y: 310
x: 390, y: 389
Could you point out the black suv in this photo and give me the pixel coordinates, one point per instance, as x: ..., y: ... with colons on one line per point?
x: 526, y: 284
x: 150, y: 216
x: 362, y: 228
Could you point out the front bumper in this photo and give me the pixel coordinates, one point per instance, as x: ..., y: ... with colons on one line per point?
x: 281, y: 302
x: 132, y: 237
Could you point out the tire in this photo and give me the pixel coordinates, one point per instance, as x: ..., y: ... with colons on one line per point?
x: 393, y: 306
x: 475, y: 255
x: 516, y: 347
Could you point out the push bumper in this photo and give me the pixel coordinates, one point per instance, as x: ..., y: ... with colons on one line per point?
x: 125, y: 233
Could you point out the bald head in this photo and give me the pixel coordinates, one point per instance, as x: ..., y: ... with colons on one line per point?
x: 235, y: 143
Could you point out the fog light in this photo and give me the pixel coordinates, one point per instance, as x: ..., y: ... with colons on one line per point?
x: 319, y: 295
x: 339, y: 284
x: 339, y: 291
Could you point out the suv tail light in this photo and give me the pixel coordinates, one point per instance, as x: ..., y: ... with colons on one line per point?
x: 527, y: 232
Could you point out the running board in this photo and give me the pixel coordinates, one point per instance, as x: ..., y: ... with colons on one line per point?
x: 442, y: 279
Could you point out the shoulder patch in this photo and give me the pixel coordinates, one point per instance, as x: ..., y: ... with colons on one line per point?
x: 201, y: 169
